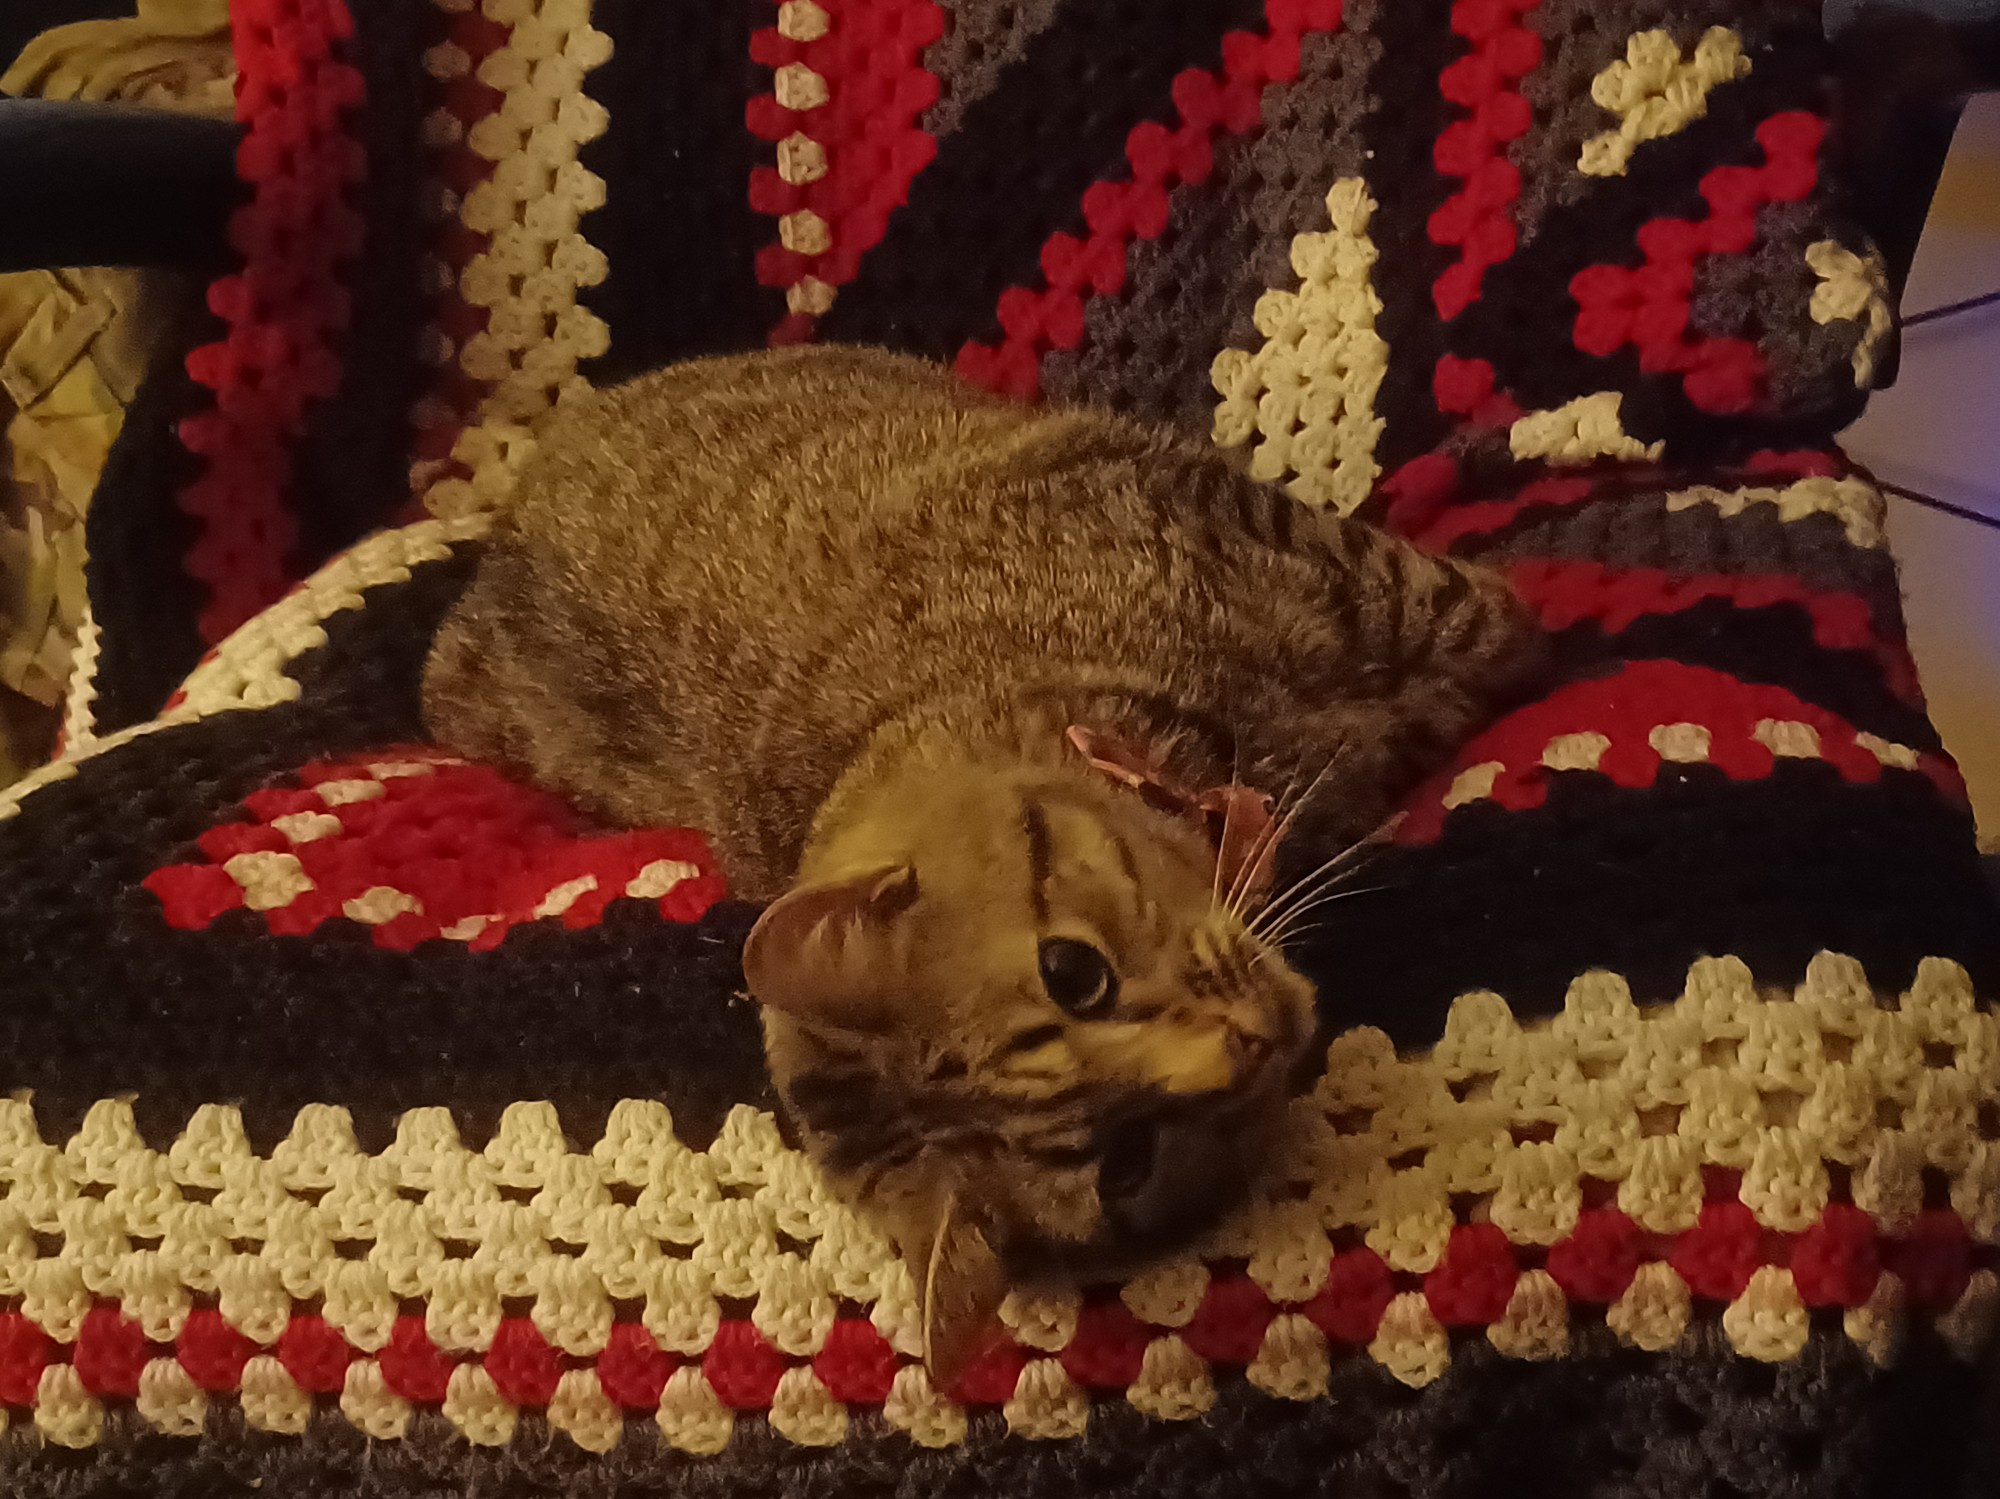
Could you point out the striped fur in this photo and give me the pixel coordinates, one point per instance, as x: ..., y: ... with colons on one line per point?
x: 841, y: 612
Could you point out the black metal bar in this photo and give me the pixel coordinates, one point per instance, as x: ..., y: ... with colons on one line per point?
x: 112, y: 184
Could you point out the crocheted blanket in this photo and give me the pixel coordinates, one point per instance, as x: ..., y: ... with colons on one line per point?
x: 381, y: 1127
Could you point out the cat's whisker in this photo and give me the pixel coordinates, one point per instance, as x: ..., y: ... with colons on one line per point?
x: 1329, y: 874
x: 1309, y: 884
x: 1244, y: 880
x: 1243, y: 876
x: 1274, y: 832
x: 1228, y: 812
x: 1306, y: 899
x: 1293, y: 922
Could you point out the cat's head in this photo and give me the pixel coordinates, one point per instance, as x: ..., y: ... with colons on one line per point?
x: 1015, y: 1021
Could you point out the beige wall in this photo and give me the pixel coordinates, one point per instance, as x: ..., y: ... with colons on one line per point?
x: 1938, y: 429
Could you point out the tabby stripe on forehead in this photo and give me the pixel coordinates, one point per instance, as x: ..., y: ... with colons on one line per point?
x: 1127, y: 861
x: 1035, y: 823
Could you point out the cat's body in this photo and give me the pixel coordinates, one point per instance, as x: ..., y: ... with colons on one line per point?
x: 720, y: 584
x: 842, y: 612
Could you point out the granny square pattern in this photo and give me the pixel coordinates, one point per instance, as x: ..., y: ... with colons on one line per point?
x: 376, y: 1126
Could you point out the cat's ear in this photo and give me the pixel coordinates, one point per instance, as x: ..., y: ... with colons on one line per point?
x: 1115, y: 758
x: 1246, y: 846
x: 817, y: 952
x: 1235, y: 817
x: 960, y: 1288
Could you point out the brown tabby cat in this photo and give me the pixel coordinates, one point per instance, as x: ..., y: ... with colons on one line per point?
x: 952, y: 681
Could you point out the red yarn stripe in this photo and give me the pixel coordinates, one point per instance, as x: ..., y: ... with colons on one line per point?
x: 284, y: 309
x: 1482, y: 517
x: 871, y: 59
x: 1207, y: 105
x: 1625, y: 708
x: 1834, y: 1263
x: 1425, y: 508
x: 461, y: 841
x: 1485, y: 84
x: 1424, y: 494
x: 1569, y: 593
x: 1649, y: 308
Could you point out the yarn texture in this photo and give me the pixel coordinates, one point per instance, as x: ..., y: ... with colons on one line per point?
x: 375, y: 1125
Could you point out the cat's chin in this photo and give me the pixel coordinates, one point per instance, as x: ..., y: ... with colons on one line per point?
x: 1203, y: 1168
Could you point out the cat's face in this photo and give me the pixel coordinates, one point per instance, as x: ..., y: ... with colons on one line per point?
x: 1014, y: 1021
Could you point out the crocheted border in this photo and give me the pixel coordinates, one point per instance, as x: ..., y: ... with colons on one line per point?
x: 508, y: 331
x: 451, y: 169
x: 1684, y: 1422
x: 247, y: 670
x: 79, y: 720
x: 1744, y: 1155
x: 1612, y: 1164
x: 284, y: 310
x: 1649, y: 716
x: 848, y: 88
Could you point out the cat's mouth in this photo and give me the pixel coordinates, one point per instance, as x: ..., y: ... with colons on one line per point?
x: 1164, y: 1179
x: 1167, y: 1174
x: 1126, y: 1157
x: 1129, y: 1147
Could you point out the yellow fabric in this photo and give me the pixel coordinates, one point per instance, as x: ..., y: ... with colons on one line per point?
x: 172, y: 53
x: 74, y: 345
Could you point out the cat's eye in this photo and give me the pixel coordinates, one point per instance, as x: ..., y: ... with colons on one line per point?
x: 1078, y: 977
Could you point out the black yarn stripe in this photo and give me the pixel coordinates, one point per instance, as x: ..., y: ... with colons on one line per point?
x: 114, y: 184
x: 1530, y: 290
x: 1641, y: 532
x: 1773, y: 646
x: 1398, y: 136
x: 676, y: 225
x: 143, y: 603
x: 351, y: 465
x: 1643, y: 882
x: 1696, y: 1421
x: 232, y: 1012
x: 1016, y: 168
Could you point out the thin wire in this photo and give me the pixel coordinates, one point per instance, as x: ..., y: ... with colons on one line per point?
x: 1932, y: 502
x: 1950, y: 309
x: 1918, y: 496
